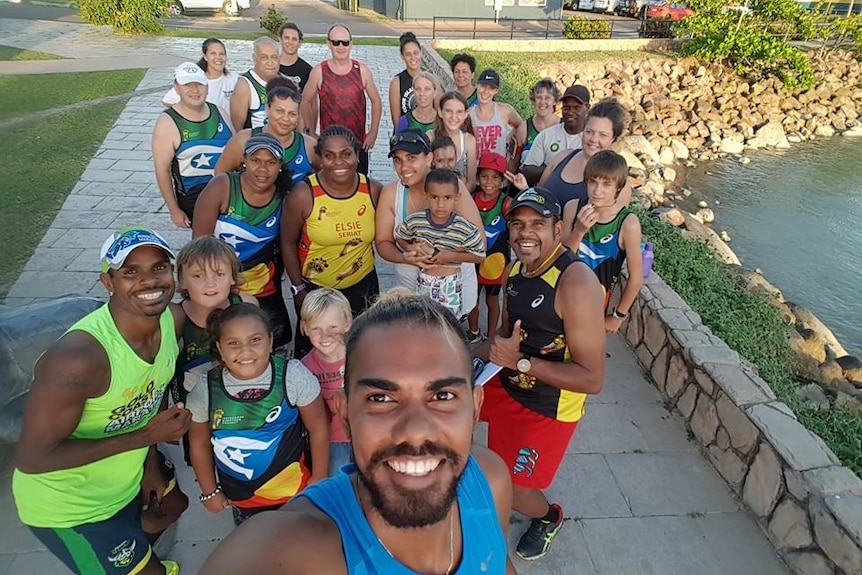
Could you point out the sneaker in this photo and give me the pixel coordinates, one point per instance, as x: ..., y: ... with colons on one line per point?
x: 475, y: 336
x: 536, y: 540
x: 171, y: 567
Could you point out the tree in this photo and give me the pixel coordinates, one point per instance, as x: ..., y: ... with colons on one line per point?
x: 753, y: 40
x: 125, y: 16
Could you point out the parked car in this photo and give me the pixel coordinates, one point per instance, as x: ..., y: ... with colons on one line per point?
x: 672, y: 11
x: 229, y: 7
x: 586, y: 4
x: 605, y: 6
x: 634, y: 8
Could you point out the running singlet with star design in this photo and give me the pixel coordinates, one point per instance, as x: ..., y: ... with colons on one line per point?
x: 493, y: 216
x: 253, y: 232
x: 342, y: 99
x: 600, y: 249
x: 531, y: 300
x: 294, y: 157
x: 259, y: 441
x: 335, y: 247
x: 201, y: 145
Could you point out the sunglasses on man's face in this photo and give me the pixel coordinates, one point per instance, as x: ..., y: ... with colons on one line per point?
x: 340, y: 42
x: 282, y: 93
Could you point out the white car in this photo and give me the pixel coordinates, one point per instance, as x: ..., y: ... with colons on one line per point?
x: 586, y: 4
x: 605, y: 5
x: 229, y: 7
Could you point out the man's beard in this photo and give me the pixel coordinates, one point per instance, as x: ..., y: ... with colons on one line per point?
x: 406, y: 508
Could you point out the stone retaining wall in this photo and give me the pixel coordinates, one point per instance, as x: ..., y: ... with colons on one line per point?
x: 561, y: 45
x: 808, y: 504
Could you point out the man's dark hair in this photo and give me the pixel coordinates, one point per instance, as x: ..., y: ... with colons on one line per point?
x: 466, y: 58
x: 401, y: 306
x: 290, y: 26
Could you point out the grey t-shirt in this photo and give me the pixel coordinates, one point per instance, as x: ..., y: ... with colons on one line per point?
x: 300, y: 384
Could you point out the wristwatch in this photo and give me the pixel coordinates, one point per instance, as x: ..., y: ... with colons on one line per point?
x: 620, y: 315
x: 524, y: 364
x: 294, y: 290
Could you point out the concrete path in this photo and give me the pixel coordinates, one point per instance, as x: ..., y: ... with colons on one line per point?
x: 638, y: 496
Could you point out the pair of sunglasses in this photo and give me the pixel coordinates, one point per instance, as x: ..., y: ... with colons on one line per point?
x: 282, y: 92
x: 409, y: 138
x: 340, y: 42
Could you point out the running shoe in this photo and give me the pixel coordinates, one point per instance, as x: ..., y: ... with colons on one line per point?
x: 171, y: 567
x: 537, y: 538
x: 475, y: 336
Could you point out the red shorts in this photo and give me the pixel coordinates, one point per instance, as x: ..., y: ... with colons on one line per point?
x: 532, y: 445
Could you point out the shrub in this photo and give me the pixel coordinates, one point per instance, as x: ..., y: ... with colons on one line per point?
x: 125, y: 16
x: 273, y: 20
x: 751, y: 326
x: 579, y: 28
x: 754, y: 43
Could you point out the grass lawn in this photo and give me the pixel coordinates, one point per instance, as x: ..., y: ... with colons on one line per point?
x: 518, y: 70
x: 60, y: 90
x: 8, y: 53
x: 43, y: 161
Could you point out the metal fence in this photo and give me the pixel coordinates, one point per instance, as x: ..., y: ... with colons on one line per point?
x: 491, y: 29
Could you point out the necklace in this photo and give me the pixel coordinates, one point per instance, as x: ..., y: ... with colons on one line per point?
x: 542, y: 265
x: 451, y: 533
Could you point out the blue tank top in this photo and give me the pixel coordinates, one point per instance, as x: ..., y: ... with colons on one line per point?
x: 484, y: 548
x: 294, y: 157
x: 201, y: 145
x: 563, y: 190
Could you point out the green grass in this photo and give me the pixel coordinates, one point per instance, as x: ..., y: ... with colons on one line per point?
x: 231, y: 35
x: 751, y: 326
x: 16, y: 92
x: 10, y: 53
x: 518, y: 70
x: 42, y: 162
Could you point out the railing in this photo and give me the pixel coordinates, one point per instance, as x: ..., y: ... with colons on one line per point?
x: 490, y: 28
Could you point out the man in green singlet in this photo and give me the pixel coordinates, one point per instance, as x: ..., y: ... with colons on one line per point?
x: 87, y: 463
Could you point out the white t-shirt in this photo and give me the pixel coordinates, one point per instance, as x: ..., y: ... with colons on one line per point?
x: 219, y: 91
x: 549, y: 142
x: 300, y: 385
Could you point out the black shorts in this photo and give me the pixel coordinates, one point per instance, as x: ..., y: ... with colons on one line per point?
x: 187, y: 200
x: 279, y: 320
x: 491, y: 290
x: 115, y: 546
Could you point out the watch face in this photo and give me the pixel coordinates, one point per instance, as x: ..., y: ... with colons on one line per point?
x: 524, y: 365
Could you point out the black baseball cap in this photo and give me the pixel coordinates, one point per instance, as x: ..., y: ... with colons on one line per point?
x: 490, y: 77
x: 578, y: 92
x: 540, y: 200
x: 410, y: 140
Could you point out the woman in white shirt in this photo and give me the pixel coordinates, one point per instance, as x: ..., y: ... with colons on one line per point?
x: 221, y: 81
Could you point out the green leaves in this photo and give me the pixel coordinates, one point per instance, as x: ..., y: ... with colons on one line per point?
x: 125, y: 16
x: 578, y: 27
x: 273, y: 20
x: 752, y: 43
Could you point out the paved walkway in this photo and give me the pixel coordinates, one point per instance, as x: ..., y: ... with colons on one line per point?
x: 638, y: 496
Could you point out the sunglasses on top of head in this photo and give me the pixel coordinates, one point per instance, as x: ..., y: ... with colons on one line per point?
x: 339, y: 42
x: 282, y: 93
x: 409, y: 138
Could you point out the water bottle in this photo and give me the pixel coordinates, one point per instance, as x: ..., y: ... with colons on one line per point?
x: 647, y: 257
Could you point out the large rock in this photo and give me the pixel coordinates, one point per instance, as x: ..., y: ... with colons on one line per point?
x: 639, y: 146
x: 808, y: 320
x: 696, y: 230
x: 680, y: 150
x: 851, y: 368
x: 772, y: 134
x: 672, y: 216
x: 731, y: 146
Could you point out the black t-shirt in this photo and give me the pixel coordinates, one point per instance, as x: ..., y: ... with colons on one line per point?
x: 298, y: 72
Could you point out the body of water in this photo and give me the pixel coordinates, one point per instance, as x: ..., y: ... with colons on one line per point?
x: 797, y: 215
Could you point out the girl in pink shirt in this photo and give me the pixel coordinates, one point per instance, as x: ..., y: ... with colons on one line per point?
x: 325, y: 318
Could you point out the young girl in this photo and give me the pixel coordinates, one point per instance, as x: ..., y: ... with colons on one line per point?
x: 258, y: 421
x: 454, y: 121
x: 325, y: 319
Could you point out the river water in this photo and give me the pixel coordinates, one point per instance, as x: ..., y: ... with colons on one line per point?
x: 797, y: 215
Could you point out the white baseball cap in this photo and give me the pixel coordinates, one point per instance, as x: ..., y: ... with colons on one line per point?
x: 189, y: 72
x: 120, y: 244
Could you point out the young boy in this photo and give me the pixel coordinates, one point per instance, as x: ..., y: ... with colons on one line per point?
x: 325, y: 319
x: 493, y: 206
x: 444, y: 152
x: 606, y: 235
x: 444, y: 237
